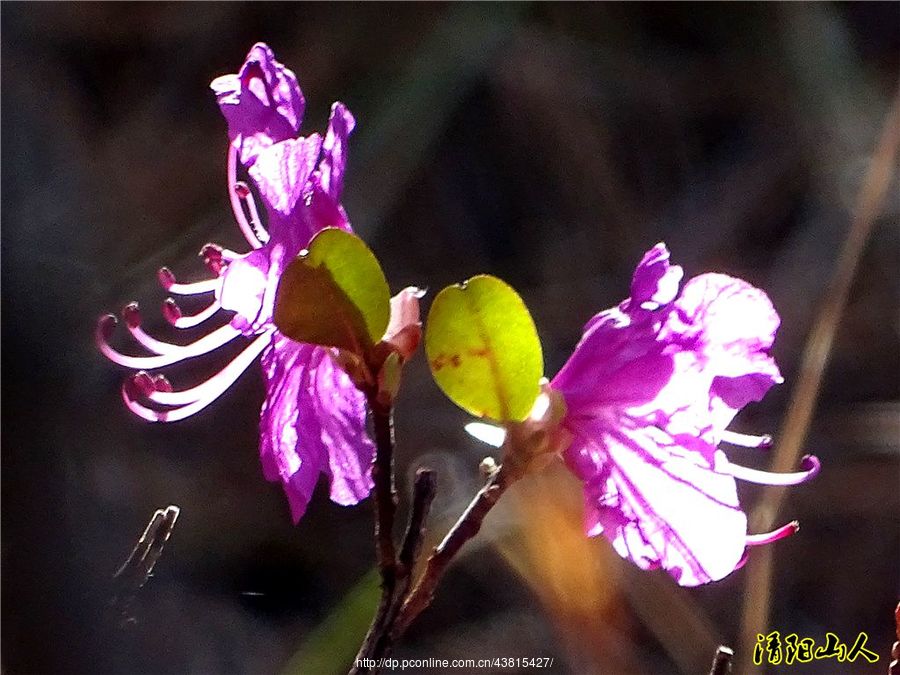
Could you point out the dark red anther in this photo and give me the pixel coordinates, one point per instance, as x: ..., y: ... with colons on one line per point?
x: 166, y: 278
x: 132, y: 315
x: 171, y: 311
x: 212, y: 257
x: 140, y: 385
x: 161, y: 383
x: 106, y: 325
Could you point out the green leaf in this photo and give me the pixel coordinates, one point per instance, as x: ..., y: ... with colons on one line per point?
x: 334, y: 294
x: 329, y: 648
x: 484, y: 350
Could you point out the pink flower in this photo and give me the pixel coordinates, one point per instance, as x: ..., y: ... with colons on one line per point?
x: 313, y: 418
x: 650, y: 391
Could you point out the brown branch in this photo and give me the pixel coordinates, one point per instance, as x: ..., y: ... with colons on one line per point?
x: 816, y: 351
x: 385, y: 493
x: 465, y: 528
x: 379, y: 640
x: 385, y: 504
x: 424, y: 490
x: 722, y: 662
x: 136, y: 570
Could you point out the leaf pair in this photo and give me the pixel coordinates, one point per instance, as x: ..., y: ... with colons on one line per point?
x: 480, y: 340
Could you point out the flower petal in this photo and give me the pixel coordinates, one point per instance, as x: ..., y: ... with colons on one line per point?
x: 732, y: 326
x: 618, y: 363
x: 313, y: 420
x: 334, y: 151
x: 281, y: 171
x: 341, y: 410
x: 262, y: 103
x: 728, y: 314
x: 655, y: 281
x: 659, y: 507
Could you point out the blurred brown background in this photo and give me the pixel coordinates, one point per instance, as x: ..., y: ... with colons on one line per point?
x: 550, y: 144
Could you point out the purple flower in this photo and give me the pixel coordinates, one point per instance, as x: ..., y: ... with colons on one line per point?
x: 313, y: 418
x: 650, y: 391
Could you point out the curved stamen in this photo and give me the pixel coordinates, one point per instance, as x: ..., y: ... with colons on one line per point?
x: 244, y: 193
x: 179, y: 319
x: 190, y: 401
x: 132, y: 315
x: 235, y: 199
x: 747, y: 440
x: 173, y: 353
x: 768, y: 537
x: 167, y: 280
x: 809, y: 467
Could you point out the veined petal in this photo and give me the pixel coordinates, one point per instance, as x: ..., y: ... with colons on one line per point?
x: 728, y: 314
x: 618, y: 363
x: 313, y: 420
x: 282, y: 170
x: 262, y: 103
x: 659, y: 508
x: 341, y: 414
x: 284, y: 457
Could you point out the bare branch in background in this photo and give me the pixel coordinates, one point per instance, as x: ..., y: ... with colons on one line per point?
x: 722, y: 661
x: 136, y: 570
x: 797, y: 421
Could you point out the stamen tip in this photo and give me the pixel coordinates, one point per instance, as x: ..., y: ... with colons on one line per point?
x: 241, y: 189
x: 210, y: 250
x: 810, y: 464
x: 106, y: 324
x: 139, y: 385
x: 161, y: 383
x: 166, y: 277
x: 212, y: 257
x: 171, y: 311
x: 131, y: 313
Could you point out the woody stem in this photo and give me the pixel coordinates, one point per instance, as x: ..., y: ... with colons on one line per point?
x: 466, y: 527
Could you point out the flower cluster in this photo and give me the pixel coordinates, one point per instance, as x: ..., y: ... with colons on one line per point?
x: 314, y: 419
x: 649, y: 393
x: 638, y: 413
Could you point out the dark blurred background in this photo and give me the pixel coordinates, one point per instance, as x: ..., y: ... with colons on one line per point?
x: 550, y: 144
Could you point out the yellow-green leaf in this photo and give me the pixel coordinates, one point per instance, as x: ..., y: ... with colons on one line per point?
x: 484, y: 350
x: 334, y: 294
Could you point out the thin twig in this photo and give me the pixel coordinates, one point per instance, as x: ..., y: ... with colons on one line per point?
x: 424, y: 490
x: 138, y: 567
x: 385, y: 503
x: 814, y: 361
x: 385, y: 492
x: 379, y: 641
x: 722, y: 662
x: 465, y: 528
